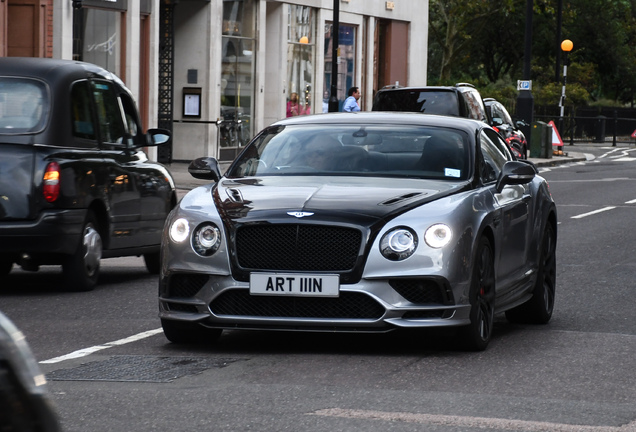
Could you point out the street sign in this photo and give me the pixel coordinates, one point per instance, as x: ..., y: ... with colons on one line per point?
x: 634, y: 134
x: 524, y: 85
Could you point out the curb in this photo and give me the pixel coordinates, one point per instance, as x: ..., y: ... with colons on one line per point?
x: 559, y: 160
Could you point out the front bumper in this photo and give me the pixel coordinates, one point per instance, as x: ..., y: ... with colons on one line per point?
x: 371, y: 305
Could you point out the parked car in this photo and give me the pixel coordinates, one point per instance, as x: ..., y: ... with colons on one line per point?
x: 510, y: 130
x: 25, y: 404
x: 362, y: 222
x: 460, y: 100
x: 75, y: 183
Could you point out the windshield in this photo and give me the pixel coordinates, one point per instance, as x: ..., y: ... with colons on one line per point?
x: 386, y: 150
x: 23, y: 105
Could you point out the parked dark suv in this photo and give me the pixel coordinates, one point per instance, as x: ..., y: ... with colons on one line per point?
x: 75, y: 183
x: 460, y: 100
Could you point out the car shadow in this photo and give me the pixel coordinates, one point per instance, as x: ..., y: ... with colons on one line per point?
x: 49, y: 279
x: 397, y: 342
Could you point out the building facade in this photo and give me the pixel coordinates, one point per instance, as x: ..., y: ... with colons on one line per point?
x: 215, y: 72
x: 119, y: 35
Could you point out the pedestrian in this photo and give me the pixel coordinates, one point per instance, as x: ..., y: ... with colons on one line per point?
x: 325, y: 102
x: 293, y: 107
x: 351, y: 103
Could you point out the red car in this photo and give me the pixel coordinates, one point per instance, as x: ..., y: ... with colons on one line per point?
x: 507, y: 128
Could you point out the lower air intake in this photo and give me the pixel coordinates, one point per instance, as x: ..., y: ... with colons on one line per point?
x: 347, y: 306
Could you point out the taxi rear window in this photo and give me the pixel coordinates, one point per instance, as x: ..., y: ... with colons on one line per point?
x: 23, y: 105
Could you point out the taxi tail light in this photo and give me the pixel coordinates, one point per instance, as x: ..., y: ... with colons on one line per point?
x: 51, y: 182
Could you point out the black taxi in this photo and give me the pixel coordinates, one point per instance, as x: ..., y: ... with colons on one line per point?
x: 75, y: 183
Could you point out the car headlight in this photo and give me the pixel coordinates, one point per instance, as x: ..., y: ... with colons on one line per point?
x: 438, y: 235
x: 206, y: 239
x: 179, y: 230
x: 398, y: 244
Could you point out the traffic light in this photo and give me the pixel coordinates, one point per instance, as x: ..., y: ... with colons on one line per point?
x: 77, y: 4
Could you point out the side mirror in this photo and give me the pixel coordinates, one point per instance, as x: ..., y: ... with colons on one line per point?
x: 496, y: 121
x: 205, y: 168
x: 156, y: 137
x: 515, y: 173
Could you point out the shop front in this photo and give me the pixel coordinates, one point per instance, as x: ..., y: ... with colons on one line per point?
x: 249, y: 63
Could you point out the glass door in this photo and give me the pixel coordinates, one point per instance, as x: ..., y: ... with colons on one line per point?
x: 237, y: 77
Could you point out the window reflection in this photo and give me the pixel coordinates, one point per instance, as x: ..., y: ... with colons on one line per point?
x: 99, y: 37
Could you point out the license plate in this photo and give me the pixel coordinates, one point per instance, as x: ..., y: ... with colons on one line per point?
x: 285, y: 284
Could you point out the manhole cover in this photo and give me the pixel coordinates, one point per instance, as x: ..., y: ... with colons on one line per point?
x: 139, y: 369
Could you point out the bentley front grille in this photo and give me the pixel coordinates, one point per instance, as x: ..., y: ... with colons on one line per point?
x: 349, y: 305
x: 297, y: 247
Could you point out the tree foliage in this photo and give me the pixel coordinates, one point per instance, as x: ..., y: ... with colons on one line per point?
x: 453, y: 24
x: 482, y: 41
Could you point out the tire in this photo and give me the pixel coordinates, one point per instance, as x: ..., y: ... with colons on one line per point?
x: 81, y: 270
x: 538, y: 310
x: 179, y: 332
x: 476, y: 336
x: 153, y: 262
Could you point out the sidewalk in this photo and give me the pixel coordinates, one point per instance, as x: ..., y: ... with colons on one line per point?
x: 185, y: 181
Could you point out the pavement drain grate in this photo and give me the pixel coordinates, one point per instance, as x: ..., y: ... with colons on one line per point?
x: 135, y: 368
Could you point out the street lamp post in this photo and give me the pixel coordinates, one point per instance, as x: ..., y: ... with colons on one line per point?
x: 566, y: 47
x: 525, y: 101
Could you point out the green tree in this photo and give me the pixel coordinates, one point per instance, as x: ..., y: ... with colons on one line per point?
x: 498, y: 46
x: 452, y: 24
x: 604, y: 33
x: 482, y: 41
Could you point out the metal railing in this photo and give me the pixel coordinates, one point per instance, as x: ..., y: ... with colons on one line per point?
x: 598, y: 129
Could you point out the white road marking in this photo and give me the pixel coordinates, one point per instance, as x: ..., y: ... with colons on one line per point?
x: 87, y: 351
x: 593, y: 212
x: 471, y: 422
x: 622, y: 156
x: 609, y: 179
x: 631, y: 202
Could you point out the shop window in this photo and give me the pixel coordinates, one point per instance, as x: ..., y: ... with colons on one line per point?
x: 237, y: 73
x: 301, y: 48
x: 96, y: 37
x: 346, y: 61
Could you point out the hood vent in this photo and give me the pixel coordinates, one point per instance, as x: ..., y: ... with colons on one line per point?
x: 401, y: 198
